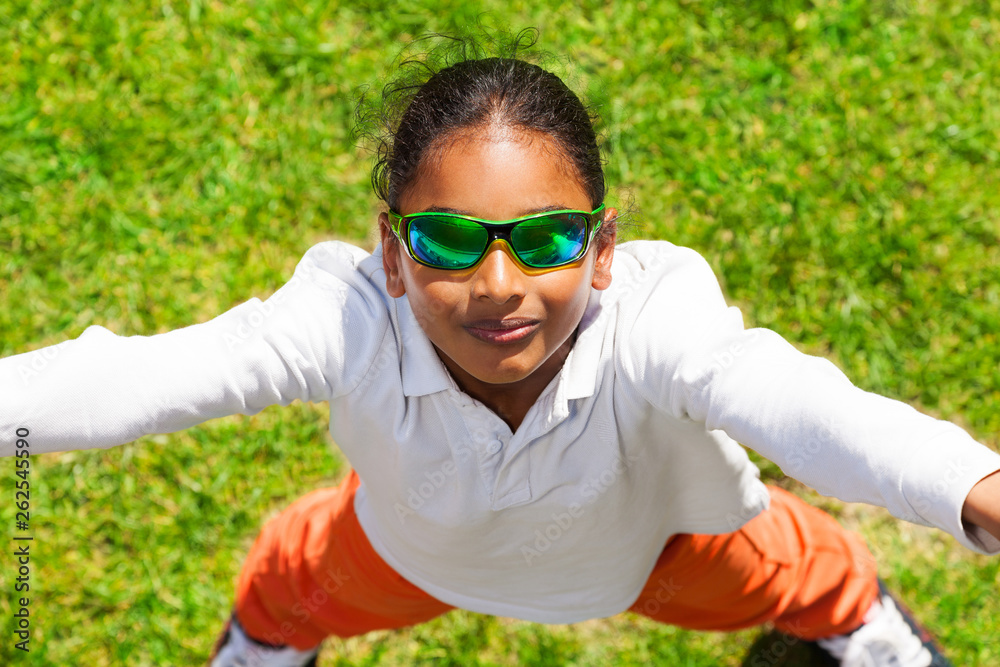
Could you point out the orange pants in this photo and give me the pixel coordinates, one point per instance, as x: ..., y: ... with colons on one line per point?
x: 312, y: 573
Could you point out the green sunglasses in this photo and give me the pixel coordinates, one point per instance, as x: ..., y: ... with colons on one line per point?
x: 539, y: 241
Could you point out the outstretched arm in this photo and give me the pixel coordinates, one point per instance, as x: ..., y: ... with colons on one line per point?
x: 314, y: 338
x: 982, y: 505
x: 803, y: 413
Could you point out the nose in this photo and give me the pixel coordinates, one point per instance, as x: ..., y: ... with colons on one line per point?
x: 498, y: 278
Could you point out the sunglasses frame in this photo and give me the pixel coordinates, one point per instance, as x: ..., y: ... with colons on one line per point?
x: 496, y: 231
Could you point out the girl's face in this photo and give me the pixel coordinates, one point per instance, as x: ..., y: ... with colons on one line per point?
x: 494, y: 324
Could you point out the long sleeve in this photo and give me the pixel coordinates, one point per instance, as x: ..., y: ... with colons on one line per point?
x: 797, y: 410
x: 313, y: 339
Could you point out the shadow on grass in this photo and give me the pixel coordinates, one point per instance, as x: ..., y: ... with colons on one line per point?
x: 776, y: 649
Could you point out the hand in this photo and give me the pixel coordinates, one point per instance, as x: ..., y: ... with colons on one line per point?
x: 982, y: 505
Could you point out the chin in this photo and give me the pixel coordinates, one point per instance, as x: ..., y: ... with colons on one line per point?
x: 501, y: 375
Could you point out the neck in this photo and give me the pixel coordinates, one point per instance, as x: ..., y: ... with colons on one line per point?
x: 510, y: 401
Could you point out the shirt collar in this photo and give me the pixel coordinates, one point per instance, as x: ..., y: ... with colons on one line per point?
x: 423, y: 371
x: 578, y: 377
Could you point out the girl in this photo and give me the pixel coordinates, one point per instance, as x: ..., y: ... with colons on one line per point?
x: 541, y: 424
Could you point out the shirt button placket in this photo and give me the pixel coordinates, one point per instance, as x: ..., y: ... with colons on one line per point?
x: 483, y: 441
x: 480, y: 437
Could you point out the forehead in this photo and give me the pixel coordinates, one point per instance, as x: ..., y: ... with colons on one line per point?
x: 496, y: 175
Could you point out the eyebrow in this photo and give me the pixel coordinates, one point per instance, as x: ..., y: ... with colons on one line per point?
x: 532, y: 211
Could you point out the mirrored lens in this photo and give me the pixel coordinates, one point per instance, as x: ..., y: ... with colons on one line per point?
x: 550, y: 240
x: 447, y: 242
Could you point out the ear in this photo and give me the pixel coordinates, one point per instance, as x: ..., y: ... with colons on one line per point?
x: 390, y: 258
x: 605, y: 253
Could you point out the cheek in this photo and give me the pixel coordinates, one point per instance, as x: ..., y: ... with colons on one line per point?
x: 433, y: 303
x: 569, y: 295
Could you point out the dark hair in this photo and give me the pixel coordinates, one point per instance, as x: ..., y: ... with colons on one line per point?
x: 434, y: 98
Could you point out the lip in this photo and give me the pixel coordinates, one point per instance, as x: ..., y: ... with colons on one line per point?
x: 500, y: 332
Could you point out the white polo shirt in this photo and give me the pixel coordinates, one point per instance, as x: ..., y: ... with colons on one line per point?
x: 634, y: 440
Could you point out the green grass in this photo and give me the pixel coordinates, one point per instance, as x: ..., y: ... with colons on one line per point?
x: 838, y: 163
